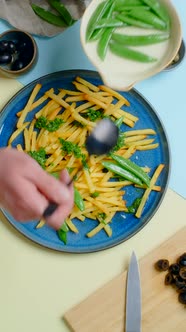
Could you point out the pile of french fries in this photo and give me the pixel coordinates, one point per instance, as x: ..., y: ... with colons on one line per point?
x: 69, y: 105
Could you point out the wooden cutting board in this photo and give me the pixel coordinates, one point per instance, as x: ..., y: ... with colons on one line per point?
x: 103, y: 311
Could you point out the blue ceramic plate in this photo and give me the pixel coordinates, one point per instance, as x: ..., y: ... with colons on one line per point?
x: 124, y: 225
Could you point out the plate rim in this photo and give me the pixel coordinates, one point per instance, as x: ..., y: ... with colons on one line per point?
x: 94, y: 74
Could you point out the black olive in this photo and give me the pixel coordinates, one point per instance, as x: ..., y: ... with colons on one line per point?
x: 21, y: 47
x: 174, y: 268
x: 169, y: 279
x: 5, y: 58
x: 17, y: 65
x: 182, y: 272
x: 162, y: 265
x: 182, y: 260
x: 182, y: 297
x: 179, y: 282
x: 7, y: 46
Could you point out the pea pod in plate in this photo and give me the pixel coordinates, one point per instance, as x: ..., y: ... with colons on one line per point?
x: 132, y: 167
x: 116, y: 169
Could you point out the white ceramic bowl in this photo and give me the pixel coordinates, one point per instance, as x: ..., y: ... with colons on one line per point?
x: 122, y: 74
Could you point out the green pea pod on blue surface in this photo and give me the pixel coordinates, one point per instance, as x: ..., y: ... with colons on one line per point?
x: 125, y: 52
x: 62, y: 233
x: 132, y: 167
x: 116, y: 169
x: 78, y: 200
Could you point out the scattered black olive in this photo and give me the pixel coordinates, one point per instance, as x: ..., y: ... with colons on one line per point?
x: 5, y: 58
x: 179, y: 282
x: 182, y: 297
x: 182, y: 272
x: 169, y: 279
x: 176, y: 275
x: 162, y: 265
x: 174, y: 268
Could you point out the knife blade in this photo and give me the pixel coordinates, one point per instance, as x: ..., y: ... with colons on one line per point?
x: 133, y: 297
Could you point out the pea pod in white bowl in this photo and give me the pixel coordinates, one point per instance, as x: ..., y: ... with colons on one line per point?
x: 120, y: 64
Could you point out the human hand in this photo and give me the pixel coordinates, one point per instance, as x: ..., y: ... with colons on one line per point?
x: 26, y: 189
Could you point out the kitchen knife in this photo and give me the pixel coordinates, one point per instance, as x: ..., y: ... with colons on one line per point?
x: 133, y: 297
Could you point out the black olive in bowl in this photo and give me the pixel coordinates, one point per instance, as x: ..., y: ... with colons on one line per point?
x: 18, y: 53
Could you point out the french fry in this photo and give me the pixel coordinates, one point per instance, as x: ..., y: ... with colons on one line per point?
x: 148, y: 190
x: 27, y: 108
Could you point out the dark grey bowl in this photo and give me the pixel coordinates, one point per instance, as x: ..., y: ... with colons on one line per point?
x: 30, y: 52
x: 178, y: 58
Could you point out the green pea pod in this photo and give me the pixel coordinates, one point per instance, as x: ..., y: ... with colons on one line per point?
x: 139, y: 40
x: 132, y: 167
x: 124, y: 52
x: 63, y: 11
x: 148, y: 18
x: 120, y: 3
x: 113, y: 167
x: 109, y: 23
x: 97, y: 15
x: 103, y: 43
x: 78, y: 200
x: 131, y: 21
x: 119, y: 121
x: 62, y: 236
x: 48, y: 16
x: 158, y: 9
x: 62, y: 233
x: 128, y: 8
x: 105, y: 15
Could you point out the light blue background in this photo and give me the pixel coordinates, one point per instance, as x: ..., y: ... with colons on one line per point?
x: 165, y: 91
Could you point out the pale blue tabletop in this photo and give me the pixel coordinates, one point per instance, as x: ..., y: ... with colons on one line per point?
x: 166, y: 92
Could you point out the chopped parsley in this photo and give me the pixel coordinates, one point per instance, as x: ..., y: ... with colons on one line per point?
x: 39, y: 156
x: 50, y: 125
x: 95, y: 194
x: 93, y: 115
x: 101, y: 217
x: 70, y: 148
x: 120, y: 142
